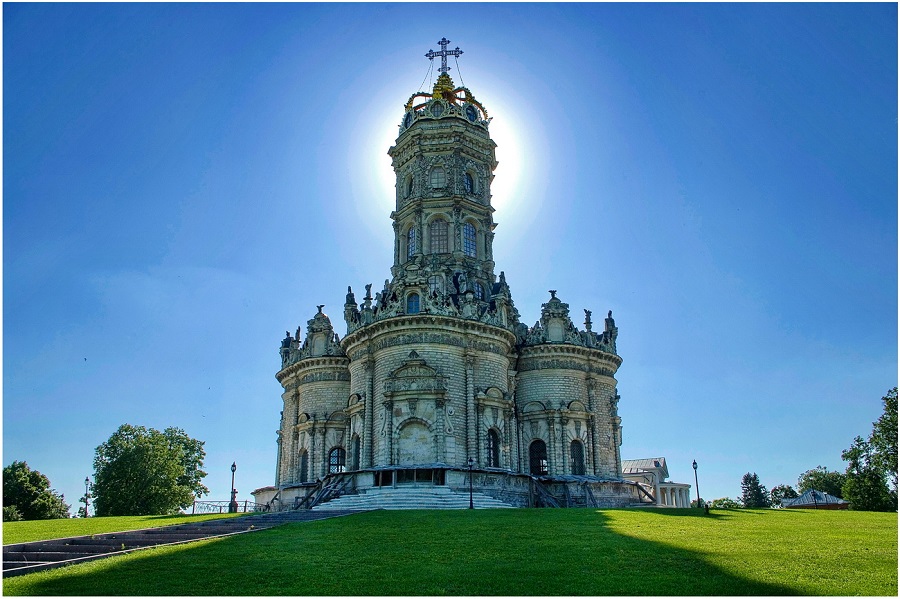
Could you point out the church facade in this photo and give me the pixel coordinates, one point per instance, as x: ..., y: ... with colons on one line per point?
x: 436, y: 378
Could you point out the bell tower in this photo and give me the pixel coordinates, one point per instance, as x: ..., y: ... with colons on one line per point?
x: 444, y: 162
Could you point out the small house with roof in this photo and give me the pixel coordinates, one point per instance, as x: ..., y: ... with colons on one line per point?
x: 816, y: 500
x: 651, y: 474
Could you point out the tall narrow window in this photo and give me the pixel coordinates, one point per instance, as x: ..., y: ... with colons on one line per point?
x: 435, y: 284
x: 469, y: 240
x: 469, y: 183
x: 438, y: 177
x: 412, y: 303
x: 439, y: 236
x: 537, y: 454
x: 479, y: 291
x: 412, y: 242
x: 337, y: 460
x: 576, y: 450
x: 409, y: 187
x: 493, y: 449
x: 304, y: 466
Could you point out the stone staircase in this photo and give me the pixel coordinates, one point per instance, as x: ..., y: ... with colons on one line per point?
x: 410, y: 497
x: 24, y: 558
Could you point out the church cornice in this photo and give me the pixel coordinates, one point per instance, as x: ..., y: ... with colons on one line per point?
x: 308, y: 364
x: 429, y: 328
x: 444, y: 204
x: 568, y: 357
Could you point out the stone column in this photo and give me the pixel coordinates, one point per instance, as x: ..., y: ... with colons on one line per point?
x: 658, y: 490
x: 397, y: 260
x: 278, y: 460
x: 506, y: 442
x: 565, y: 450
x: 457, y: 231
x: 470, y: 408
x: 323, y: 450
x: 368, y: 436
x: 551, y: 442
x: 479, y: 419
x: 313, y: 451
x: 594, y: 433
x: 388, y: 455
x: 515, y: 462
x: 440, y: 429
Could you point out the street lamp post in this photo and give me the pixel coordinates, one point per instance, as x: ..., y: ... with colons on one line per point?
x: 233, y: 506
x: 87, y: 495
x: 697, y: 484
x: 471, y: 503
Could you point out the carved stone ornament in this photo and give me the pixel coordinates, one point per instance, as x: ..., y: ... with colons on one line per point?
x: 415, y: 376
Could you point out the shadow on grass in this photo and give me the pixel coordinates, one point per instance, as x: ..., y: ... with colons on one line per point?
x: 418, y: 552
x: 682, y: 512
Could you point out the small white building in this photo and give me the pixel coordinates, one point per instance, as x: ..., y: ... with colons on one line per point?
x: 651, y: 474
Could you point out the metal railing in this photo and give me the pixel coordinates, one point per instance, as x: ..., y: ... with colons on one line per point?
x: 221, y: 507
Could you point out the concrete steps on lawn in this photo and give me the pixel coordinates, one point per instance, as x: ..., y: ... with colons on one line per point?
x: 24, y: 558
x: 403, y: 497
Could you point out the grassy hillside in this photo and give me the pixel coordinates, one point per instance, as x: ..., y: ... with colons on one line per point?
x: 39, y: 530
x: 515, y: 552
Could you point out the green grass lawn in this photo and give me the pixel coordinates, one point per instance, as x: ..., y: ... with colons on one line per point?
x: 514, y: 552
x: 39, y: 530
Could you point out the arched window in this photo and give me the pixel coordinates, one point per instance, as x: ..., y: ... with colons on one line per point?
x: 412, y: 303
x: 576, y: 451
x: 438, y: 177
x: 537, y: 454
x: 439, y: 237
x: 469, y: 240
x: 469, y: 183
x: 435, y: 283
x: 304, y: 466
x: 337, y: 460
x: 479, y: 291
x: 412, y: 242
x: 493, y: 449
x: 356, y: 452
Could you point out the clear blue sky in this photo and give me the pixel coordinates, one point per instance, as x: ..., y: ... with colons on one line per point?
x: 183, y: 183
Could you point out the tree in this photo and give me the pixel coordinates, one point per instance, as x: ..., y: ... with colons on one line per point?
x: 29, y: 495
x: 140, y: 471
x: 865, y: 486
x: 821, y: 479
x: 724, y: 503
x: 780, y: 493
x: 753, y: 494
x: 11, y: 514
x: 884, y: 439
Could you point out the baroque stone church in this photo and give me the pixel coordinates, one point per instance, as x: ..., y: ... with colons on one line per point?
x: 436, y: 381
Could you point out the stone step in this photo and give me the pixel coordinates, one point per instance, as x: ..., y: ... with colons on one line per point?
x: 17, y: 557
x: 400, y: 498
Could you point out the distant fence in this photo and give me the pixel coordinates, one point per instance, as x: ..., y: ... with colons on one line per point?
x: 221, y: 507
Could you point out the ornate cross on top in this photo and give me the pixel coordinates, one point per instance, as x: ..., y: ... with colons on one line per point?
x: 444, y: 53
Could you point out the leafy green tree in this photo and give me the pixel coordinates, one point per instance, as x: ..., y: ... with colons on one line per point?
x: 780, y: 493
x: 753, y: 494
x: 29, y: 495
x: 11, y: 514
x: 724, y: 503
x: 821, y: 479
x: 140, y: 471
x: 865, y: 486
x: 884, y: 439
